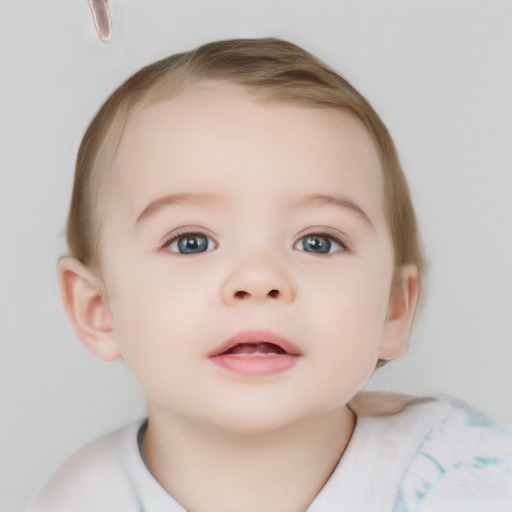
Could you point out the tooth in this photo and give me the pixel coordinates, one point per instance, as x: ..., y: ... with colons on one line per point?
x: 256, y: 348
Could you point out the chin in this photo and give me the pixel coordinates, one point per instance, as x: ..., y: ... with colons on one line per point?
x: 260, y: 420
x: 253, y: 421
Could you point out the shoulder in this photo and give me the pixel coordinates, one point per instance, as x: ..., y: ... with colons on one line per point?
x: 464, y: 462
x: 95, y: 478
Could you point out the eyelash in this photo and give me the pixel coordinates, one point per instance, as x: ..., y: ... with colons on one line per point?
x: 176, y: 235
x: 343, y: 246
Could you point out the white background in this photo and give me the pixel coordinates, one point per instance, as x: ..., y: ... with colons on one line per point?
x: 438, y: 72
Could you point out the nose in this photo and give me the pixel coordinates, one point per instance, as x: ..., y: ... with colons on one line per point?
x: 258, y: 277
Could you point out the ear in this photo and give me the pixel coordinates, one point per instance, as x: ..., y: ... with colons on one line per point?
x: 402, y: 304
x: 84, y: 299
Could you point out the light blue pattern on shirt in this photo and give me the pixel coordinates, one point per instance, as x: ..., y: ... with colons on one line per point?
x: 467, y: 455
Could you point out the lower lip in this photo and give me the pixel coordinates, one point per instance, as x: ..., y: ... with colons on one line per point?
x: 255, y: 365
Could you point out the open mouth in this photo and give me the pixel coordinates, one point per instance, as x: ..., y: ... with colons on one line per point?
x: 251, y: 349
x: 256, y: 353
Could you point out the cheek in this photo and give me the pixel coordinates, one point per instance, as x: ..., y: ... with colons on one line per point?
x: 349, y: 329
x: 154, y: 324
x: 350, y: 312
x: 359, y: 293
x: 151, y: 307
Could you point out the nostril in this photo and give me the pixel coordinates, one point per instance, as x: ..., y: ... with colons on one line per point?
x: 240, y: 294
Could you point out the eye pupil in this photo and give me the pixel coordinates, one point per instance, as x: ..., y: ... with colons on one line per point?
x: 318, y: 244
x: 191, y: 244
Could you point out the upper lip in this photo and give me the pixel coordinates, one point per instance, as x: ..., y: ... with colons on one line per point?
x: 256, y: 336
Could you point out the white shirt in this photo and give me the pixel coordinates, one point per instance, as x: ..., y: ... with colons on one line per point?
x: 433, y: 455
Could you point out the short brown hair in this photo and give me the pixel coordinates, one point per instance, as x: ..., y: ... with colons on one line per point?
x: 269, y: 68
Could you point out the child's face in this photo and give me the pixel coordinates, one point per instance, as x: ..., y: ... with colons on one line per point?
x: 263, y: 220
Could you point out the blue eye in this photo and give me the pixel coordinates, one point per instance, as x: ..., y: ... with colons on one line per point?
x: 190, y: 243
x: 319, y: 244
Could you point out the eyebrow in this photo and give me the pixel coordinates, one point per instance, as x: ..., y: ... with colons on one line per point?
x: 176, y: 200
x: 339, y: 201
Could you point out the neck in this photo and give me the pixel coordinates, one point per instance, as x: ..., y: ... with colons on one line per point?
x: 277, y: 471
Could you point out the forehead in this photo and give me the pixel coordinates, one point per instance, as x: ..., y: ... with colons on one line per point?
x: 220, y: 138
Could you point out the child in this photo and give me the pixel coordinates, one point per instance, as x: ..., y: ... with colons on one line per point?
x: 241, y: 235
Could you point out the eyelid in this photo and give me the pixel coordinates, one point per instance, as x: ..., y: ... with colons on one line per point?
x: 331, y: 233
x: 186, y: 230
x: 322, y: 231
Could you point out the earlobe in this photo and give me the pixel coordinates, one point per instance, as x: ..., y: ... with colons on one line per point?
x: 402, y: 305
x: 84, y: 300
